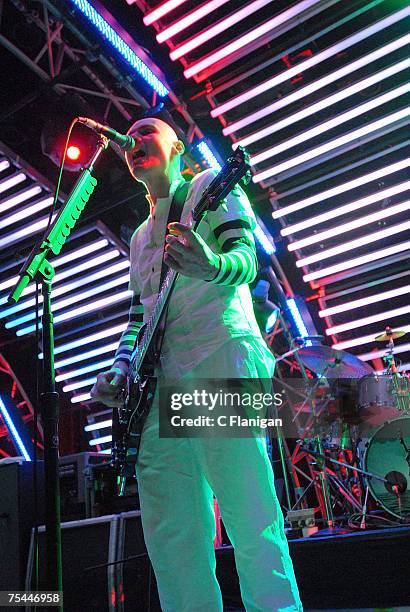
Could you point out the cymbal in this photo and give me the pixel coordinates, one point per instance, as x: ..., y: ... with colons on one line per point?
x: 326, y: 361
x: 390, y: 335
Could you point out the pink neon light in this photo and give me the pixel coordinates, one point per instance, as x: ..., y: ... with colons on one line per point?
x: 185, y: 22
x: 347, y: 227
x: 315, y: 86
x: 324, y: 195
x: 370, y: 299
x: 161, y: 10
x: 324, y: 127
x: 402, y: 348
x: 352, y: 206
x: 312, y: 61
x: 363, y: 339
x: 326, y: 103
x: 358, y: 261
x: 330, y: 145
x: 84, y: 397
x: 380, y: 316
x: 216, y: 29
x: 354, y: 244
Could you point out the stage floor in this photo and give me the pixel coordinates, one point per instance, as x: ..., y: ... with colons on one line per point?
x: 364, y: 570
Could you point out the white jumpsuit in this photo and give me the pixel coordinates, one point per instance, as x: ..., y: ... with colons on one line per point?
x: 177, y: 477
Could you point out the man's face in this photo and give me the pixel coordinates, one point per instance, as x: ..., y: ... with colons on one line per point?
x: 154, y: 149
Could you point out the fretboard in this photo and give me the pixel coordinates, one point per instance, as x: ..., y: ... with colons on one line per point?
x: 140, y: 352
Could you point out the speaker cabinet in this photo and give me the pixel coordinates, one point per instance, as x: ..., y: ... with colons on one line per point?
x: 105, y: 565
x: 17, y: 520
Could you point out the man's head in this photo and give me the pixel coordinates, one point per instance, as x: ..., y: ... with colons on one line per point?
x: 157, y: 150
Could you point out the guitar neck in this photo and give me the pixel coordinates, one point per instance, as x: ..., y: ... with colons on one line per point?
x: 233, y: 171
x: 153, y: 322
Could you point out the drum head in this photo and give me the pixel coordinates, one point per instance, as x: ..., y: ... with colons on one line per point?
x: 386, y: 456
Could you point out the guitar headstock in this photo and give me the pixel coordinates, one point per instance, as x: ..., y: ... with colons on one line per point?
x: 235, y: 170
x: 241, y: 157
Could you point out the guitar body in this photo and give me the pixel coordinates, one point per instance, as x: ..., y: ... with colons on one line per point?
x: 128, y: 420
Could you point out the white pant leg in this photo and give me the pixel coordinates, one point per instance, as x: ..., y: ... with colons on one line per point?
x: 178, y: 522
x: 240, y: 474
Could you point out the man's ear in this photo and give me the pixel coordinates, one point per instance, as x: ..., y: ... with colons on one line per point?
x: 180, y: 147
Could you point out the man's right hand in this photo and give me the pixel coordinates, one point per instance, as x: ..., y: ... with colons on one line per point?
x: 108, y: 385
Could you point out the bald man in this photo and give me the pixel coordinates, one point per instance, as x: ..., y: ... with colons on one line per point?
x: 211, y: 332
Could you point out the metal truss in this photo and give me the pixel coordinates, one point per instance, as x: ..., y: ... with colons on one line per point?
x: 58, y: 56
x: 13, y: 389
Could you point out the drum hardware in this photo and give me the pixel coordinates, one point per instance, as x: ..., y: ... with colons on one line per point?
x: 338, y: 483
x: 347, y: 465
x: 322, y: 475
x: 302, y: 496
x: 344, y: 490
x: 326, y: 509
x: 286, y: 355
x: 375, y: 400
x: 383, y: 400
x: 400, y: 387
x: 296, y: 344
x: 328, y: 364
x: 364, y: 510
x: 320, y: 383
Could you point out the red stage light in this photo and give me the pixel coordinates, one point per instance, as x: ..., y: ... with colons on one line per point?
x: 73, y: 152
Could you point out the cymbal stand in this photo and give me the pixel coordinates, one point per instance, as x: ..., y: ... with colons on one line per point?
x: 285, y: 456
x: 319, y: 477
x: 364, y: 510
x: 400, y: 389
x: 322, y: 474
x: 291, y: 333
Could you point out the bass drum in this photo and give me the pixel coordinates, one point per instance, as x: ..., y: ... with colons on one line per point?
x: 388, y: 455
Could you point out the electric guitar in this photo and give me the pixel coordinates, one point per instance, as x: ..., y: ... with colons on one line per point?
x: 136, y: 398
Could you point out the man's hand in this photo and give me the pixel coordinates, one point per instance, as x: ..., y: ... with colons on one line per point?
x: 109, y: 383
x: 187, y: 253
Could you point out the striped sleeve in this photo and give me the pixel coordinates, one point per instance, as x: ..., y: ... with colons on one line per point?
x: 238, y: 266
x: 128, y: 338
x: 232, y: 225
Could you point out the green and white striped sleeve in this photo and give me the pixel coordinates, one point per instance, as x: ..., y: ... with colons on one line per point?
x: 129, y: 336
x: 232, y: 224
x: 136, y: 312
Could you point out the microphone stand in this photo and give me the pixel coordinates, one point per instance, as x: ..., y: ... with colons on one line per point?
x: 37, y: 265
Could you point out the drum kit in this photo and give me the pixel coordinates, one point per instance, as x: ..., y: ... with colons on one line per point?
x: 369, y: 443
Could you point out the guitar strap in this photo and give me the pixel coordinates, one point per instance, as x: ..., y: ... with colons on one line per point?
x: 175, y: 212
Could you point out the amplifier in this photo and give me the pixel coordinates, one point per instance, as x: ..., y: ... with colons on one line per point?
x: 102, y: 491
x: 17, y: 519
x: 105, y: 565
x: 73, y: 484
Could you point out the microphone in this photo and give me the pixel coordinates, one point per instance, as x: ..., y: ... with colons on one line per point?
x: 124, y: 141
